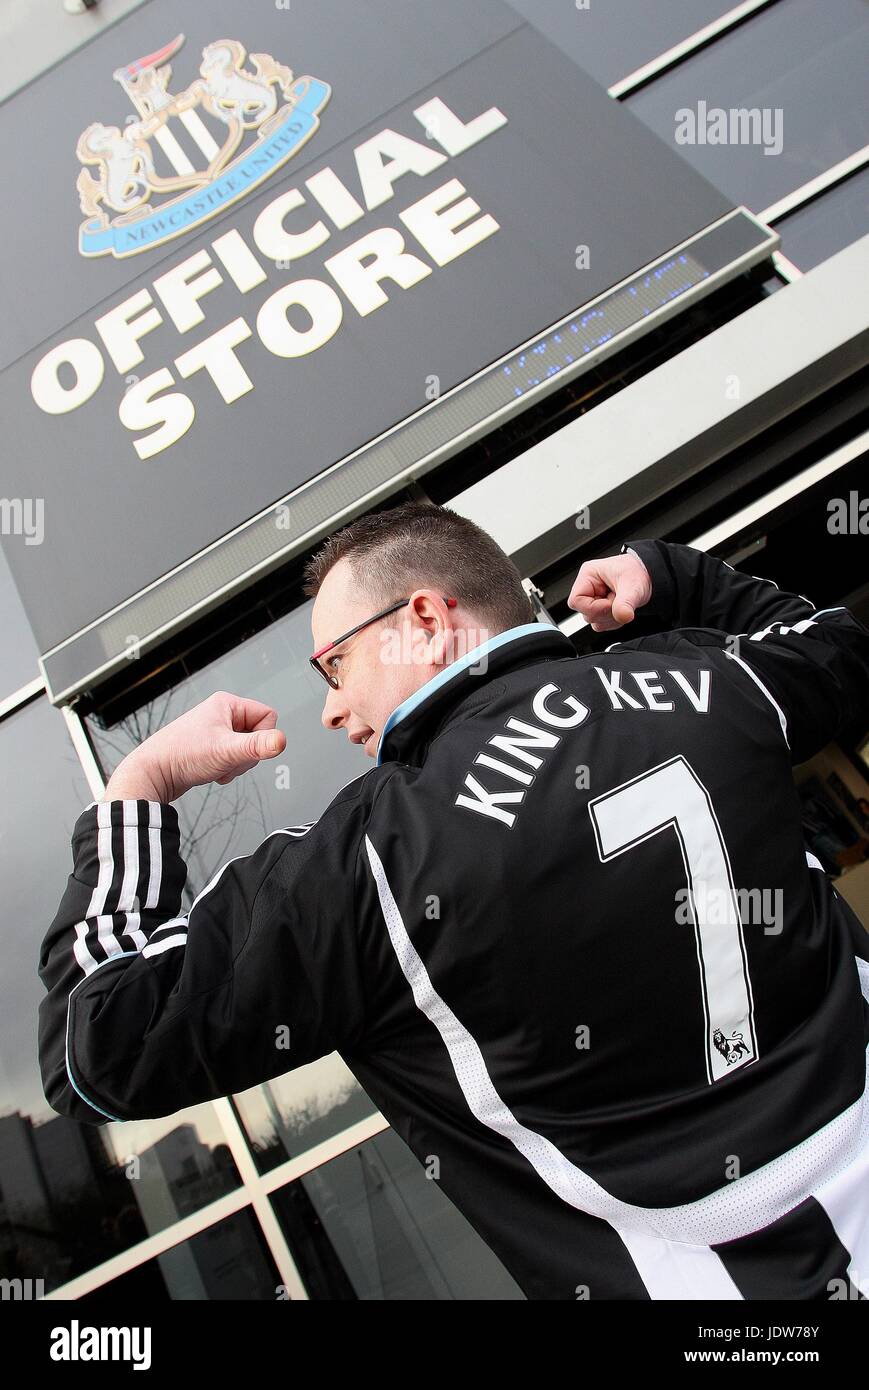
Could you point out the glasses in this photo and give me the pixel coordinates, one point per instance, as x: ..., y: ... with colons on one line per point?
x: 315, y: 659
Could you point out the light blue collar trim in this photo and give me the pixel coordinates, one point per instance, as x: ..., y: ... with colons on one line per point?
x: 449, y: 672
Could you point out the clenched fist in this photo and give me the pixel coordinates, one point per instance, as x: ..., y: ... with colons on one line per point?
x: 216, y: 741
x: 608, y: 592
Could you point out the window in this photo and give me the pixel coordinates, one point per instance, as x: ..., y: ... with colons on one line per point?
x: 370, y: 1224
x: 285, y: 1117
x: 292, y: 789
x: 228, y: 1260
x: 71, y: 1195
x: 292, y: 1113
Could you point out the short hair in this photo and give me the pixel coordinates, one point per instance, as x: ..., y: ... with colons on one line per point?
x: 420, y: 544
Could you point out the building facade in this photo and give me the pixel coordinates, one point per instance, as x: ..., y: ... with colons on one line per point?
x: 624, y: 252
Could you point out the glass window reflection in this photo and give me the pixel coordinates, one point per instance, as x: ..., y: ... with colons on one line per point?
x: 316, y: 1102
x: 285, y: 1117
x: 229, y: 1260
x: 71, y: 1195
x: 371, y: 1225
x: 293, y: 789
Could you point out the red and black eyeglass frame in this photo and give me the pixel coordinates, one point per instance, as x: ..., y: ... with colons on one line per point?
x: 315, y: 659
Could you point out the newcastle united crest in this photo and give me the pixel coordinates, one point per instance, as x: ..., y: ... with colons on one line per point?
x: 178, y: 162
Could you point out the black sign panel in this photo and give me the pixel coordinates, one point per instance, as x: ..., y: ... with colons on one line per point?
x: 248, y: 240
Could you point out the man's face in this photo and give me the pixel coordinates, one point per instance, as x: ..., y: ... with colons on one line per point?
x: 383, y: 664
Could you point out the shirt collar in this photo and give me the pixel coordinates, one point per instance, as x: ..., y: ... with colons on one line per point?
x: 417, y: 716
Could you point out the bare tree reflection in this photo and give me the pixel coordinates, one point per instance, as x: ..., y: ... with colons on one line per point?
x: 210, y: 816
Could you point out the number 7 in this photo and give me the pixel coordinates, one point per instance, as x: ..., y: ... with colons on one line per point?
x: 672, y: 796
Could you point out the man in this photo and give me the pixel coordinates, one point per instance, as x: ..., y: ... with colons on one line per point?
x: 565, y: 932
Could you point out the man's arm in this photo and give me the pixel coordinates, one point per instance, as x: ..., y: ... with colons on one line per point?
x: 693, y: 589
x: 812, y: 665
x: 149, y: 1009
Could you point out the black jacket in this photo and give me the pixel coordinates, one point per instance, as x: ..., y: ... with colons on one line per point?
x: 566, y: 935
